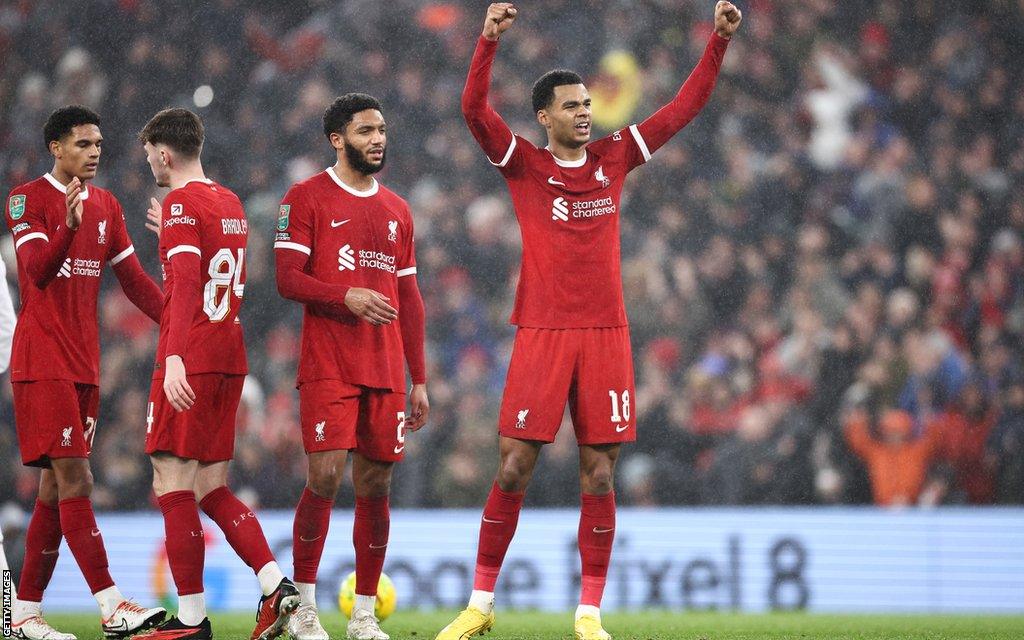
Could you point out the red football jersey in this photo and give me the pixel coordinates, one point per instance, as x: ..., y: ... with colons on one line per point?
x: 356, y: 239
x: 568, y: 214
x: 569, y: 211
x: 57, y: 335
x: 206, y: 219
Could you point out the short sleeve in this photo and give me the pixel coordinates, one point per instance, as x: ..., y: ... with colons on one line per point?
x: 120, y: 245
x: 406, y: 261
x: 295, y: 222
x: 25, y: 219
x: 180, y: 226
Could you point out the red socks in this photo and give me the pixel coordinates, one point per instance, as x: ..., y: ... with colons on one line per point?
x: 186, y: 551
x: 498, y: 525
x: 370, y: 539
x: 78, y: 523
x: 312, y: 518
x: 42, y: 541
x: 240, y: 527
x: 596, y: 534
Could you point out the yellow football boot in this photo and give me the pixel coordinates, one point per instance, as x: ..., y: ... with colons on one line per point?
x: 589, y: 628
x: 470, y: 622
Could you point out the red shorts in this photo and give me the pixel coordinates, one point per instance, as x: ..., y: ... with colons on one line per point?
x: 590, y: 369
x: 54, y: 419
x: 206, y: 432
x: 336, y: 415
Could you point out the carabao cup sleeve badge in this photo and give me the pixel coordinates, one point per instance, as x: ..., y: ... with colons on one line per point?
x: 16, y: 206
x: 282, y: 217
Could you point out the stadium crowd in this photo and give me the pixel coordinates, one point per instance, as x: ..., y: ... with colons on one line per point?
x: 824, y: 272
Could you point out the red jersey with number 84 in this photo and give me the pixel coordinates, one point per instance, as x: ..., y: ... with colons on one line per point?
x: 206, y: 219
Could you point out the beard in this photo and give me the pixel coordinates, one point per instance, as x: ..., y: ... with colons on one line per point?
x: 357, y: 160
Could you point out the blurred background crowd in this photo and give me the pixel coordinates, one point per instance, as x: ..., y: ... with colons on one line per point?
x: 824, y: 272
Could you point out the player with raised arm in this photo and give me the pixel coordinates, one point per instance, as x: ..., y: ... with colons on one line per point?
x: 344, y: 249
x: 65, y: 233
x: 572, y: 342
x: 197, y: 381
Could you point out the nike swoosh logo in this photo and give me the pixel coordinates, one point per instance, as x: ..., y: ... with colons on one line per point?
x: 399, y: 449
x: 50, y: 552
x: 378, y: 546
x: 622, y: 428
x: 599, y: 530
x: 493, y: 521
x: 335, y: 223
x: 310, y: 539
x: 552, y: 180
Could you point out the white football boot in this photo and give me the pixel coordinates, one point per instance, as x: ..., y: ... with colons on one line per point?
x: 36, y: 628
x: 305, y: 624
x: 364, y: 626
x: 129, y: 618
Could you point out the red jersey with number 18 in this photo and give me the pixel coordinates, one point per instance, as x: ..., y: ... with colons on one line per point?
x: 206, y: 219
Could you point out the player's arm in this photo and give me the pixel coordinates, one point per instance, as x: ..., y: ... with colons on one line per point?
x: 41, y: 255
x: 186, y: 300
x: 491, y: 132
x: 182, y: 244
x: 656, y: 130
x: 413, y: 325
x: 140, y: 289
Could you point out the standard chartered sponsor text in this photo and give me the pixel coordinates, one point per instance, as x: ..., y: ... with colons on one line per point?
x: 593, y: 208
x: 82, y: 267
x: 376, y: 260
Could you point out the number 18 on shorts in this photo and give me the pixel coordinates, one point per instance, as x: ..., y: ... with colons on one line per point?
x: 591, y: 370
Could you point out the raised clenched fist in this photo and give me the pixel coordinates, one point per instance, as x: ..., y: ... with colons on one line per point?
x: 500, y: 16
x: 727, y: 19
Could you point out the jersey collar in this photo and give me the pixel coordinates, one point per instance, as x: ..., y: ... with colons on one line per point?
x: 200, y: 180
x: 372, y: 191
x: 59, y: 187
x: 572, y: 164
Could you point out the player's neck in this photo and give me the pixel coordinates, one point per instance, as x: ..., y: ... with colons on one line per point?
x: 355, y: 179
x: 188, y: 173
x: 61, y: 175
x: 562, y: 152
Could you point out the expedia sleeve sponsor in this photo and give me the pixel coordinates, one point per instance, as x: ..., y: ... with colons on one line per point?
x: 176, y: 220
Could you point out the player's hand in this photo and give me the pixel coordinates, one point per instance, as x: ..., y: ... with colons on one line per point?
x: 727, y: 19
x: 370, y: 306
x: 420, y: 408
x: 153, y: 216
x: 500, y: 16
x: 179, y: 394
x: 74, y: 204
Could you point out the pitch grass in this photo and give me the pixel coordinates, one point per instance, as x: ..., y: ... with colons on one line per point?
x: 655, y: 625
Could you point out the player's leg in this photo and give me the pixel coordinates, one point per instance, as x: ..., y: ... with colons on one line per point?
x: 380, y: 443
x: 597, y: 522
x: 370, y: 530
x: 328, y: 410
x: 241, y: 528
x: 42, y: 543
x: 245, y: 535
x: 603, y: 416
x: 174, y: 480
x: 536, y: 391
